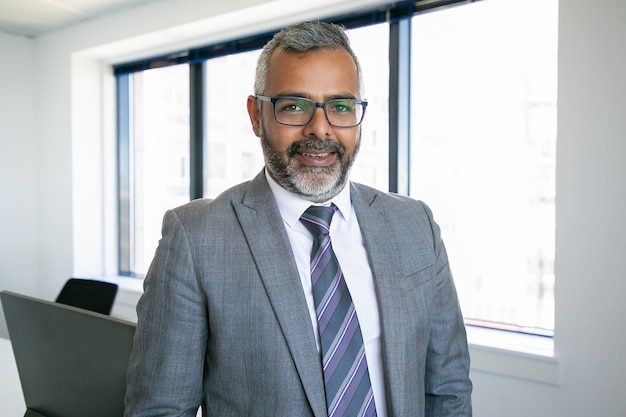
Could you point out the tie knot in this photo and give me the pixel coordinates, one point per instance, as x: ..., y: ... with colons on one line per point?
x: 317, y: 219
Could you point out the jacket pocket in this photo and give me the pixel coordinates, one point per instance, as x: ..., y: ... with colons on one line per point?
x: 418, y: 278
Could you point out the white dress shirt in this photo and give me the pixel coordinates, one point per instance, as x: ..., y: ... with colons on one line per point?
x: 347, y: 242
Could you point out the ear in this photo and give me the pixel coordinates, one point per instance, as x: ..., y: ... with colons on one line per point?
x: 254, y: 113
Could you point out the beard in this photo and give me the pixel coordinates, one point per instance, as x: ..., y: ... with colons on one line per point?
x: 313, y: 183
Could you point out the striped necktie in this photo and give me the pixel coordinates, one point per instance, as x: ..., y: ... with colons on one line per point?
x: 347, y: 381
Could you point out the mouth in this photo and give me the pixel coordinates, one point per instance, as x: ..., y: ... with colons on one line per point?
x: 316, y: 153
x: 316, y: 158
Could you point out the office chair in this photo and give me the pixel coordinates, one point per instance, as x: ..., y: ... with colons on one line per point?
x: 89, y: 294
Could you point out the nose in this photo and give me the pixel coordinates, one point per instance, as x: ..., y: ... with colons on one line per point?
x: 318, y: 126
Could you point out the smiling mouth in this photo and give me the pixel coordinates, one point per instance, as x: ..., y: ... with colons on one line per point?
x: 323, y: 158
x: 315, y: 155
x: 315, y: 148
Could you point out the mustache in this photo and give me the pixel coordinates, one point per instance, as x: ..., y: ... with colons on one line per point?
x: 316, y: 144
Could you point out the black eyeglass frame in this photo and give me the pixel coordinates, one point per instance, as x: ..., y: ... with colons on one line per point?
x: 317, y: 105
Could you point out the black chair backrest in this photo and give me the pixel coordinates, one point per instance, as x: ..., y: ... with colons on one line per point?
x: 89, y: 294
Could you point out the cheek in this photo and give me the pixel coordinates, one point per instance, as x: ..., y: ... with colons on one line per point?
x: 281, y: 137
x: 349, y: 141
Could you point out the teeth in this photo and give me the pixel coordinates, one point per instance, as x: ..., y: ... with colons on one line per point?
x: 315, y: 155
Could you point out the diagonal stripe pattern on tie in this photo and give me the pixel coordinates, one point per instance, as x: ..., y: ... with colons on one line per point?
x: 346, y: 378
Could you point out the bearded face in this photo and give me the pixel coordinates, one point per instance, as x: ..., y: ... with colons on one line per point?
x: 316, y: 183
x: 312, y: 159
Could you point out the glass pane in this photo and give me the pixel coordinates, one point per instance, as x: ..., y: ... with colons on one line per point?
x: 483, y: 151
x: 160, y: 155
x: 371, y: 45
x: 233, y: 152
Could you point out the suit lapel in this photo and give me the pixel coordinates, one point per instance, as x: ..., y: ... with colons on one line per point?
x: 263, y: 227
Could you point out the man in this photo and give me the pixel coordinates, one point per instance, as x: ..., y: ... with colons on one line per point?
x: 235, y: 317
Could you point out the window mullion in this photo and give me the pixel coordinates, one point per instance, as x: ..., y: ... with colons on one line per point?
x: 196, y: 130
x: 125, y: 170
x: 399, y: 105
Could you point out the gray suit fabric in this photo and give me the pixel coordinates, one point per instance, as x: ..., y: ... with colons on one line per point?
x: 223, y: 321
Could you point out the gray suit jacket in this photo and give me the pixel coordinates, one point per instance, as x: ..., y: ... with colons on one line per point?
x: 223, y: 321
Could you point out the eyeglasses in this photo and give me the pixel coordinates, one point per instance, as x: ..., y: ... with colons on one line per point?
x: 298, y: 111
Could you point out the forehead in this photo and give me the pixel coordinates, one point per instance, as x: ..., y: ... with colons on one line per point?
x: 317, y: 73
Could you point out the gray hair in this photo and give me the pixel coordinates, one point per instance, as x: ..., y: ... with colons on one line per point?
x: 303, y: 37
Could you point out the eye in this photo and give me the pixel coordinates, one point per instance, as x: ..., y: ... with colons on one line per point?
x: 292, y: 105
x: 340, y: 106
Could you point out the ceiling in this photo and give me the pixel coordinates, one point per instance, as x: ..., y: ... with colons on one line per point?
x: 32, y: 18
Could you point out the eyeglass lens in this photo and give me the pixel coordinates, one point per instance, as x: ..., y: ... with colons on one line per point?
x: 298, y: 111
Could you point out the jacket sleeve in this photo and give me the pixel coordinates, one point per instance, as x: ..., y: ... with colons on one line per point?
x: 165, y: 372
x: 447, y: 384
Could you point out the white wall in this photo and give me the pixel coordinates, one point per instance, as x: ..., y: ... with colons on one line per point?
x: 18, y: 168
x: 60, y: 106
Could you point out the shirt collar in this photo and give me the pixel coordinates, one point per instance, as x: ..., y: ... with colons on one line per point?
x: 292, y: 206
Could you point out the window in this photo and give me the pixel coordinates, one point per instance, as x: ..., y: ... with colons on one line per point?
x: 157, y: 161
x: 372, y: 164
x: 233, y: 153
x: 483, y: 152
x: 462, y: 116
